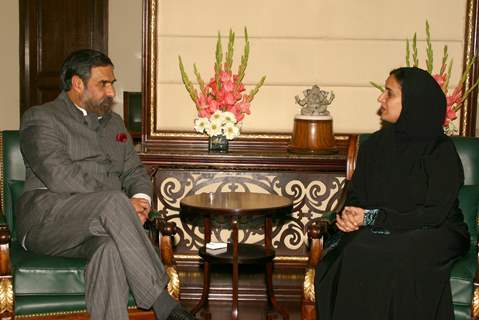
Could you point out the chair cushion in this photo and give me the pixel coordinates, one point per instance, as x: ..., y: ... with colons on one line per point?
x: 43, y: 275
x: 37, y: 305
x: 52, y: 304
x: 462, y: 278
x: 45, y: 284
x: 462, y: 312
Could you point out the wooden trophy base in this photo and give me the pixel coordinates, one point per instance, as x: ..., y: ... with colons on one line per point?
x: 313, y: 135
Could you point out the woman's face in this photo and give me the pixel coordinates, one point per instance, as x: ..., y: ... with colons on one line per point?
x: 391, y: 101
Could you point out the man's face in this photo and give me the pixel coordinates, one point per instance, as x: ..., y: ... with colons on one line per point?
x: 99, y: 93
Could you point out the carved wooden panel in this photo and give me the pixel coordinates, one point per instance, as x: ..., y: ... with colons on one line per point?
x: 312, y: 193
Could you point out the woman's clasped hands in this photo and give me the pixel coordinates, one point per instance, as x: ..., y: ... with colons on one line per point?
x: 350, y: 219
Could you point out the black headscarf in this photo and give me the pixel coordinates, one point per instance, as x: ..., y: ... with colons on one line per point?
x: 410, y: 169
x: 423, y: 104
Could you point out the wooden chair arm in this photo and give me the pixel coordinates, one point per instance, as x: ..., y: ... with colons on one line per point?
x: 317, y: 231
x: 4, y: 233
x: 166, y: 228
x: 5, y: 269
x: 6, y: 285
x: 167, y: 232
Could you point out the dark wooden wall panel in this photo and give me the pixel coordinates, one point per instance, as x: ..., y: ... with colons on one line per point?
x: 49, y: 31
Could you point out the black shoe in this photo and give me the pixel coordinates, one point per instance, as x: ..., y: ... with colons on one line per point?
x: 180, y: 313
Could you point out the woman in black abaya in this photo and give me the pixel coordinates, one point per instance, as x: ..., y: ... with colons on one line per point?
x: 402, y: 228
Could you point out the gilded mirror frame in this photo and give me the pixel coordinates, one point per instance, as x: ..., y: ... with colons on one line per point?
x: 155, y: 138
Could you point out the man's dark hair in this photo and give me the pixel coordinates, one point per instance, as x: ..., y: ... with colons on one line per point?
x: 80, y: 63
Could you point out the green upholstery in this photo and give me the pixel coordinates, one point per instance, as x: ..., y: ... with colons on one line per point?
x: 464, y: 270
x: 42, y: 284
x: 13, y: 170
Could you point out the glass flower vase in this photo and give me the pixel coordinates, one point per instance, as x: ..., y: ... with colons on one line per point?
x: 218, y: 143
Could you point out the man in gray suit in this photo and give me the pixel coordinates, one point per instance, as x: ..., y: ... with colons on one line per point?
x: 87, y: 193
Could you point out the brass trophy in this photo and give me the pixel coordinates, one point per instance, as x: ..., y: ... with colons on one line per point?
x: 313, y: 128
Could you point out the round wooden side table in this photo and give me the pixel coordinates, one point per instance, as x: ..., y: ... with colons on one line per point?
x: 233, y: 206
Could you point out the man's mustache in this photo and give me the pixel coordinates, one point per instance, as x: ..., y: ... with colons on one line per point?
x: 100, y: 107
x: 107, y: 102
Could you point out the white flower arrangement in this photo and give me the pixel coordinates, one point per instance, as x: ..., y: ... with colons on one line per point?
x: 220, y: 123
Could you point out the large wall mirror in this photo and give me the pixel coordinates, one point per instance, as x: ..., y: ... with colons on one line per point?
x: 338, y: 45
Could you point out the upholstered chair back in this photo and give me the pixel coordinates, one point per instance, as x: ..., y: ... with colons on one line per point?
x: 13, y: 171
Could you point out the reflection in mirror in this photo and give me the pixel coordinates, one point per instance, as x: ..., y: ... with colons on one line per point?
x: 336, y: 45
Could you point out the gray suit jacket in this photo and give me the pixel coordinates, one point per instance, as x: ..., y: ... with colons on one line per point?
x: 68, y: 153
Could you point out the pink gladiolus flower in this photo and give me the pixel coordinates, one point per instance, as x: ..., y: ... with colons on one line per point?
x: 213, y: 106
x: 212, y: 86
x: 450, y: 115
x: 240, y: 87
x: 201, y: 102
x: 203, y: 113
x: 220, y: 97
x: 455, y: 97
x: 238, y: 115
x: 228, y: 85
x: 229, y: 99
x: 440, y: 79
x: 244, y: 107
x: 226, y: 76
x: 206, y: 105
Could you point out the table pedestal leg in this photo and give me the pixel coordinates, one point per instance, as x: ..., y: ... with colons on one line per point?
x: 235, y: 276
x: 206, y: 277
x: 205, y: 293
x: 271, y: 298
x: 268, y: 226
